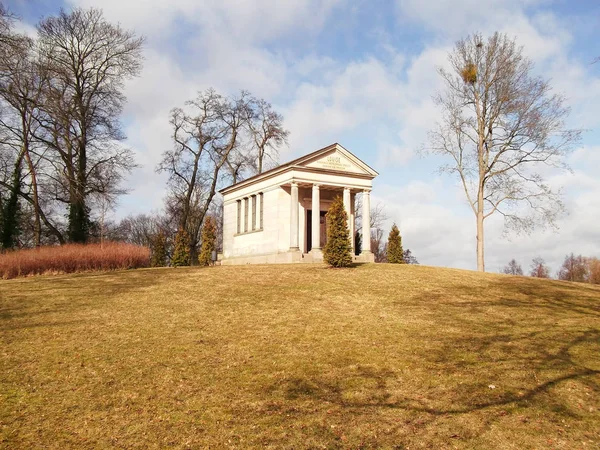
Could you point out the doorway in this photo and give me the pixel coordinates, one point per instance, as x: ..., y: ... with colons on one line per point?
x: 323, y: 230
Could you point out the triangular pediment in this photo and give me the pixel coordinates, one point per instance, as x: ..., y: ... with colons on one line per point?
x: 334, y: 158
x: 338, y: 159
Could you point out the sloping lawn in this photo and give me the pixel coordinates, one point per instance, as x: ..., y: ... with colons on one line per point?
x: 376, y: 356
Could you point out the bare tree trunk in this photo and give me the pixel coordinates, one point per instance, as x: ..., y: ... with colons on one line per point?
x: 260, y: 161
x: 480, y: 239
x: 37, y: 227
x: 37, y: 224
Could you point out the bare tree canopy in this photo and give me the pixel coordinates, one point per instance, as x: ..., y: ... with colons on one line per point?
x: 88, y: 60
x: 22, y: 83
x: 574, y: 268
x: 513, y: 268
x: 500, y: 124
x: 206, y: 133
x: 539, y: 269
x: 267, y: 133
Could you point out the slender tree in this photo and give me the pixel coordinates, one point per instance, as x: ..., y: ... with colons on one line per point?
x: 209, y: 240
x: 338, y: 250
x: 395, y: 254
x: 500, y: 124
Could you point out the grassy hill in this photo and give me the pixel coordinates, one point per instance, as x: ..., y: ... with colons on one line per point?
x: 299, y: 357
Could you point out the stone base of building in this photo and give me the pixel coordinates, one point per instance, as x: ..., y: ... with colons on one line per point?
x: 365, y: 258
x: 289, y: 258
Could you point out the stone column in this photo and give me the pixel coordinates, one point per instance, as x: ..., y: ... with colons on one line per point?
x: 316, y: 219
x: 348, y: 208
x: 243, y: 218
x: 366, y: 222
x: 256, y: 212
x: 294, y: 209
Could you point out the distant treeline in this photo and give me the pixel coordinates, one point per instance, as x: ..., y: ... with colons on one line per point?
x: 574, y: 268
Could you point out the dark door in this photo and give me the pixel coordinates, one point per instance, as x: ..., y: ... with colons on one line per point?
x: 323, y: 229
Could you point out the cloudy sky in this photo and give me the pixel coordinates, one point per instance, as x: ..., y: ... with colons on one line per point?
x: 362, y: 73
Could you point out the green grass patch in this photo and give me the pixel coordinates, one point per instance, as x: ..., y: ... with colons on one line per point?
x: 299, y: 356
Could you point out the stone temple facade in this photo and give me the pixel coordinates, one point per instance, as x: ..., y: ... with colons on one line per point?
x: 278, y: 216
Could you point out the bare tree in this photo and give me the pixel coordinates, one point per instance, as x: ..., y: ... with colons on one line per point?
x: 409, y: 258
x: 593, y: 270
x: 513, y: 268
x: 378, y: 214
x: 267, y: 133
x: 88, y: 60
x: 205, y: 135
x: 379, y: 245
x: 574, y: 268
x: 141, y: 229
x: 539, y: 269
x: 22, y: 81
x: 500, y: 124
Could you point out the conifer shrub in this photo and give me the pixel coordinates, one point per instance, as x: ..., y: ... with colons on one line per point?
x: 209, y: 238
x: 159, y: 250
x: 338, y: 250
x: 395, y: 254
x: 181, y: 253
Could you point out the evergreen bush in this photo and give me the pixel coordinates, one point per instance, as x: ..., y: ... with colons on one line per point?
x: 209, y: 237
x: 395, y: 255
x: 181, y: 254
x: 159, y: 250
x: 338, y: 250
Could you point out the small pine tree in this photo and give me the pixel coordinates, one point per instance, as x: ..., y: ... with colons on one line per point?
x: 395, y: 255
x: 159, y: 250
x: 181, y: 254
x: 338, y: 250
x: 209, y: 237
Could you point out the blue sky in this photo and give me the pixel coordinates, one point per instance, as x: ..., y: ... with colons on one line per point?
x: 362, y: 73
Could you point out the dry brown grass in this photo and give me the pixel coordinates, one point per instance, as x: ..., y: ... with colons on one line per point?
x: 72, y: 258
x: 377, y: 356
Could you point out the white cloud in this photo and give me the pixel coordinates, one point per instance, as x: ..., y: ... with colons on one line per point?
x: 247, y: 21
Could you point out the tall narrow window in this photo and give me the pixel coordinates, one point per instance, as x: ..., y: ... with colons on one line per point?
x: 262, y: 204
x: 239, y: 216
x: 246, y: 214
x: 254, y: 212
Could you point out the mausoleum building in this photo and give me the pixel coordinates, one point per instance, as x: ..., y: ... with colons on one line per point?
x: 278, y: 216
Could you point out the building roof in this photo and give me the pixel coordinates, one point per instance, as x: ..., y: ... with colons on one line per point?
x: 302, y: 162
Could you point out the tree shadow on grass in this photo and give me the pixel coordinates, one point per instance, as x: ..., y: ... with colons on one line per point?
x: 24, y: 302
x: 554, y: 296
x: 381, y: 388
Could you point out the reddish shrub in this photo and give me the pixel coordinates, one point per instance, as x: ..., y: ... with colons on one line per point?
x: 73, y: 258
